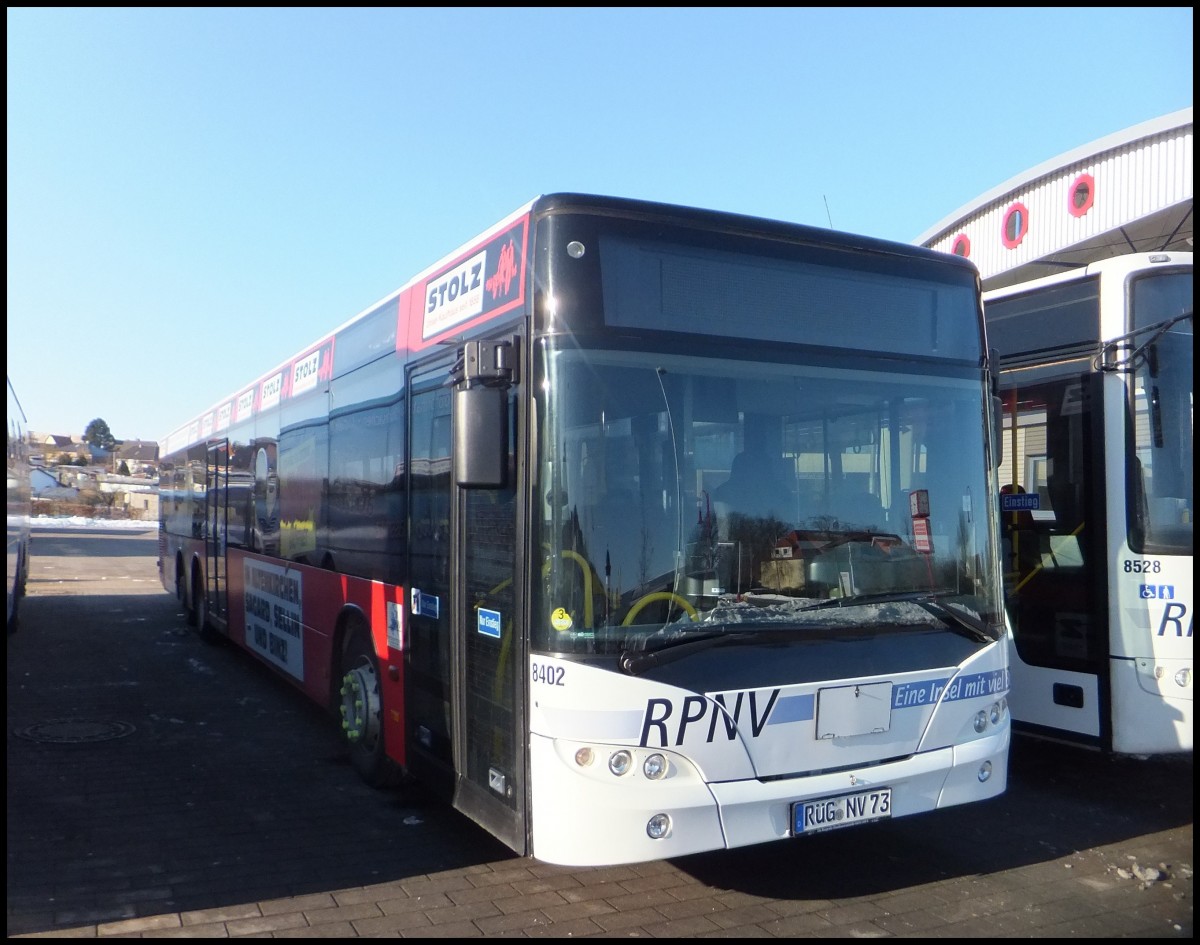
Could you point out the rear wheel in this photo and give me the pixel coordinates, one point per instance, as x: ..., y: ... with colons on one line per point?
x: 360, y: 700
x: 189, y: 609
x: 199, y: 611
x: 17, y: 593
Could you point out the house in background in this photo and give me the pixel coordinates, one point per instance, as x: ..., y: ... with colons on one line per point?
x: 139, y: 456
x: 47, y: 484
x: 138, y: 495
x: 64, y: 486
x: 55, y: 446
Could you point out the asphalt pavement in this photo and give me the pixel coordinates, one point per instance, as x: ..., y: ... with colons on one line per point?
x: 160, y: 786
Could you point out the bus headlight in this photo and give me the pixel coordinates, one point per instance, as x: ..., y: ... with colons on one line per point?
x: 619, y: 762
x: 658, y: 826
x: 980, y: 721
x: 985, y: 771
x: 654, y: 767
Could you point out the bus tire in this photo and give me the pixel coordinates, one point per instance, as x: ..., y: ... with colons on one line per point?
x: 14, y: 611
x: 200, y: 610
x: 360, y: 710
x: 181, y: 594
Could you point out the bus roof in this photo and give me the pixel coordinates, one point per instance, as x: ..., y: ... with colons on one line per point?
x: 573, y: 202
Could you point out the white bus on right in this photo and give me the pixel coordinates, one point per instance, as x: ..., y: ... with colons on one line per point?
x: 1097, y: 501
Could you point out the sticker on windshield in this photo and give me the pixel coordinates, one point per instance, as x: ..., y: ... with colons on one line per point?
x: 560, y: 620
x: 488, y: 623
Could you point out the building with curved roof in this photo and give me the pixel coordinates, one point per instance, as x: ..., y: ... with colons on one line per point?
x: 1128, y: 192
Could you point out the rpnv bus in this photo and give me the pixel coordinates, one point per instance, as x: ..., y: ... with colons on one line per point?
x: 486, y: 522
x: 1097, y: 500
x: 20, y: 500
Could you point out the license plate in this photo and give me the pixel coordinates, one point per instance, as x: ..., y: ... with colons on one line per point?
x: 829, y: 813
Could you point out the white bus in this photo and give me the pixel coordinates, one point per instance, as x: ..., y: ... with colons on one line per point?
x: 486, y: 522
x: 19, y: 505
x: 1097, y: 500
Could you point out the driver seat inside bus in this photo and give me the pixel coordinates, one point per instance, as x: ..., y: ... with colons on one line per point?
x: 754, y: 488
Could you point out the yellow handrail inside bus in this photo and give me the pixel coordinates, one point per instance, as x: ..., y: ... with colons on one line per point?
x: 1040, y: 565
x: 651, y: 598
x: 589, y: 611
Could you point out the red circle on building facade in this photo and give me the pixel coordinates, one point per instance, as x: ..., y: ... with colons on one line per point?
x: 1082, y: 196
x: 1016, y: 225
x: 962, y: 246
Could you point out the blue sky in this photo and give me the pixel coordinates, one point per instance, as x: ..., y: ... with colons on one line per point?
x: 195, y: 195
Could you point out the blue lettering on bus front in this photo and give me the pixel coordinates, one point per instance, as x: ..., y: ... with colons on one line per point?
x: 694, y: 709
x: 730, y: 721
x: 993, y: 683
x: 925, y: 692
x: 1173, y: 615
x: 756, y: 724
x: 658, y: 723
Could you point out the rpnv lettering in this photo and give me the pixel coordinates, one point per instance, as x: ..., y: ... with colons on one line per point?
x: 662, y: 725
x: 1173, y: 615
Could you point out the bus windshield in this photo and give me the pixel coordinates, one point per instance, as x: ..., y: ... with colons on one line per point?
x: 1161, y: 458
x: 682, y: 495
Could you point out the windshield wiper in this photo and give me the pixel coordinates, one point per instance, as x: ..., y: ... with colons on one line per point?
x: 1114, y: 357
x: 959, y: 620
x: 636, y: 663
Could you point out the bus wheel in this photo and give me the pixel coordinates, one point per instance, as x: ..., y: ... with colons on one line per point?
x: 361, y: 710
x: 189, y: 609
x: 199, y: 611
x: 15, y: 606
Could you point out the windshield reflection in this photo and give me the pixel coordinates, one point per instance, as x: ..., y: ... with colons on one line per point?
x: 686, y: 493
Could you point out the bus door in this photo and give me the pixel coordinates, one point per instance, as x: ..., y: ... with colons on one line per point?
x: 465, y: 694
x: 428, y: 677
x: 492, y: 737
x: 216, y: 531
x: 1054, y: 537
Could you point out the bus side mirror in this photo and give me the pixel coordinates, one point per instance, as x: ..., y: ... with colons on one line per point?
x: 485, y: 371
x: 480, y: 436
